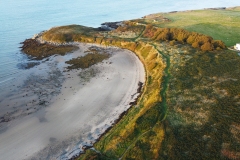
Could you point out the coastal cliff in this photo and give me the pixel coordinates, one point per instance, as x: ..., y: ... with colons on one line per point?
x: 189, y: 106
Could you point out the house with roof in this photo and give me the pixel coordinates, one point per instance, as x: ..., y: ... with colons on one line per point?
x: 237, y: 46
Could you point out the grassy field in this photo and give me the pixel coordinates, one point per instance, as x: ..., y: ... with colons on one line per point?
x: 219, y: 24
x: 68, y: 33
x: 189, y: 106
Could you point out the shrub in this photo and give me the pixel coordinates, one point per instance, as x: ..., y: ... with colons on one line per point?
x: 218, y: 43
x: 180, y: 35
x: 164, y: 35
x: 207, y: 46
x: 197, y: 40
x: 191, y: 38
x: 149, y: 31
x: 195, y: 45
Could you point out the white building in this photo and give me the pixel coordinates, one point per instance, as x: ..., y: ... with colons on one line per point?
x: 237, y: 46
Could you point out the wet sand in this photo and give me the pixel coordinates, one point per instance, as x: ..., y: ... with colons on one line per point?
x: 87, y: 104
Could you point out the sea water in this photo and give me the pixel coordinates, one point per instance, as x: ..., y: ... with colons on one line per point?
x: 20, y: 20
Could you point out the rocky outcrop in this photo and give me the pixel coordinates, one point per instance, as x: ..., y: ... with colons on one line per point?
x: 111, y: 25
x: 41, y: 50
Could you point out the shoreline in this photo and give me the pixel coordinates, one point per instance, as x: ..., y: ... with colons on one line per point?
x: 105, y: 75
x: 101, y: 129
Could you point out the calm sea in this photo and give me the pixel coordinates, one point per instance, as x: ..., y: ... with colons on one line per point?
x: 22, y: 19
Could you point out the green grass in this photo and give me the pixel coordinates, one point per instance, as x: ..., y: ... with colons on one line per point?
x: 220, y: 24
x: 189, y: 108
x: 203, y: 101
x: 198, y: 123
x: 69, y: 33
x: 71, y: 29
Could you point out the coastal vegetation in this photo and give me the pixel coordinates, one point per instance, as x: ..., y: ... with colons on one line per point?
x: 203, y: 42
x: 94, y: 55
x: 221, y: 24
x: 203, y: 105
x: 189, y: 106
x: 41, y: 50
x: 69, y: 33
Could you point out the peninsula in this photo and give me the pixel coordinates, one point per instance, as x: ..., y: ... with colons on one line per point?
x: 189, y: 107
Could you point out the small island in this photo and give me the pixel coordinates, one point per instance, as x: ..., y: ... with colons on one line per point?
x: 189, y: 105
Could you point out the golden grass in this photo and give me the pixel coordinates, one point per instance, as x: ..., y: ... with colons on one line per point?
x: 144, y: 132
x: 148, y: 99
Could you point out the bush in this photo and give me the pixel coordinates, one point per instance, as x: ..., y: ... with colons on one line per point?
x: 191, y: 38
x: 197, y: 40
x: 219, y: 44
x: 164, y: 34
x: 180, y: 35
x: 195, y: 45
x: 207, y: 46
x: 149, y: 31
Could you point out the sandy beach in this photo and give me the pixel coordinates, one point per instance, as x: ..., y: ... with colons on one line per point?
x: 76, y: 110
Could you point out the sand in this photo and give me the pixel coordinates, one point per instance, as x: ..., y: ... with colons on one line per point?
x: 87, y: 103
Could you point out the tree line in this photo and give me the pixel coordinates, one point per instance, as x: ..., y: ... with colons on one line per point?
x: 197, y: 40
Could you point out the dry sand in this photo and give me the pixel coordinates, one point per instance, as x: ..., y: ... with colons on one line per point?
x: 89, y: 102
